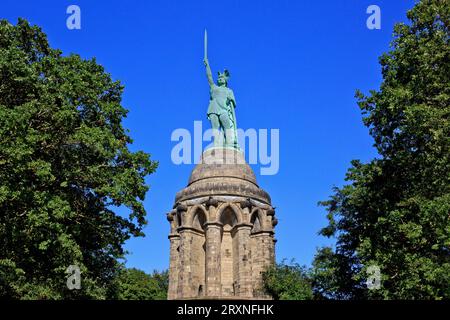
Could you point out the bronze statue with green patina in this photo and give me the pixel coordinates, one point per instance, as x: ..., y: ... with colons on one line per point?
x: 221, y: 107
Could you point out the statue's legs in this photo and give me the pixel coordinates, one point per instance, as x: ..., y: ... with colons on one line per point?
x: 215, y: 124
x: 228, y: 128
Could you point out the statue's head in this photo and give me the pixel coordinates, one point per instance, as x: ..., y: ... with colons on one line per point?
x: 222, y: 79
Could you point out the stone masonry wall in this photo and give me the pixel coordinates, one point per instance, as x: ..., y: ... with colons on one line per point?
x: 225, y: 255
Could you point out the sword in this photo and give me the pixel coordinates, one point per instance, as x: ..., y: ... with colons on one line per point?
x: 205, y: 55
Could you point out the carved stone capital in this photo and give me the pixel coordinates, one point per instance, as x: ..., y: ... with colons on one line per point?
x: 270, y: 212
x: 171, y: 215
x: 274, y: 222
x: 211, y: 202
x: 181, y: 208
x: 247, y: 203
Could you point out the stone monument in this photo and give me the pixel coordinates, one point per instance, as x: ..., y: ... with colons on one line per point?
x: 221, y: 226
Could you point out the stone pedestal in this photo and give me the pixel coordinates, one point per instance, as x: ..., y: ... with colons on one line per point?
x: 221, y: 237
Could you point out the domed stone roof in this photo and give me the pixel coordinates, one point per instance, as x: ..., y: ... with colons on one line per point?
x: 222, y: 171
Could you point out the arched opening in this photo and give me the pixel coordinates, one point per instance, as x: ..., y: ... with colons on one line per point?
x: 256, y: 222
x: 178, y: 219
x: 199, y: 220
x: 198, y: 251
x: 228, y: 217
x: 228, y: 252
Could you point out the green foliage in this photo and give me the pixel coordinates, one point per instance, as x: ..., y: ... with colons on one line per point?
x: 134, y: 284
x: 64, y: 166
x: 395, y: 214
x: 287, y: 282
x: 332, y: 276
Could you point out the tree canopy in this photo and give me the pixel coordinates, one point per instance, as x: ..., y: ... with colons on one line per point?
x: 65, y: 168
x: 395, y: 212
x: 288, y: 281
x: 134, y: 284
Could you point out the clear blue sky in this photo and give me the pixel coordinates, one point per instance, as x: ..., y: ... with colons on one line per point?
x: 295, y: 66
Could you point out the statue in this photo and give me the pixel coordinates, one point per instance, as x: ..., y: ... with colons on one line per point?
x: 221, y: 107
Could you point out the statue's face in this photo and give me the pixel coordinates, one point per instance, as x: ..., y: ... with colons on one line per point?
x: 221, y: 81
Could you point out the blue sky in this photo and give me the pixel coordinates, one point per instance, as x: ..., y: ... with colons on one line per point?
x: 295, y: 66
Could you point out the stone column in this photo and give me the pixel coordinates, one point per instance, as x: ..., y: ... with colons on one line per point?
x: 272, y: 251
x: 212, y: 260
x: 267, y: 245
x: 263, y: 256
x: 173, y: 266
x: 244, y: 269
x: 266, y: 238
x: 272, y: 222
x: 184, y: 265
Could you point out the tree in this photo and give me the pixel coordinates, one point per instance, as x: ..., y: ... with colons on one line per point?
x: 395, y: 212
x: 134, y: 284
x: 65, y: 167
x: 287, y: 282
